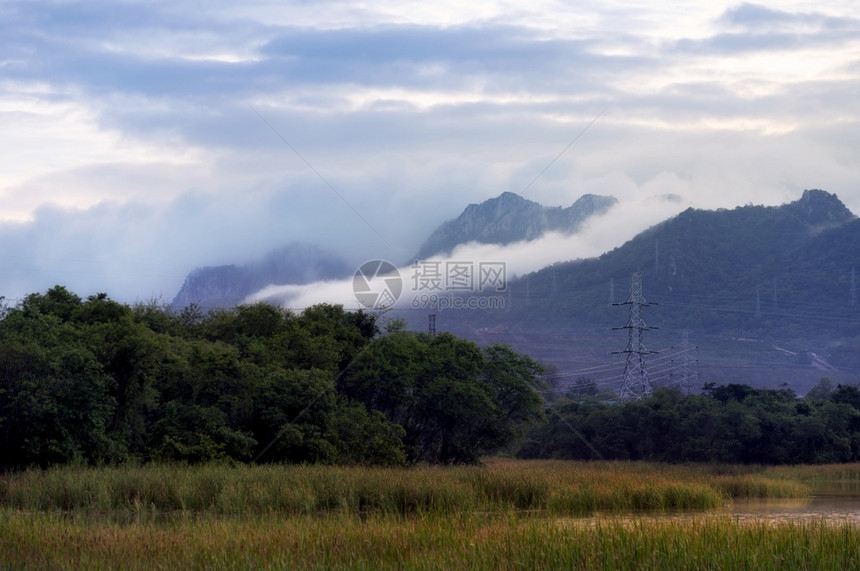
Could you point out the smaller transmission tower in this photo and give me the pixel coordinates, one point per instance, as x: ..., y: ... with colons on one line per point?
x: 685, y: 347
x: 635, y: 385
x: 432, y: 324
x: 775, y: 301
x: 852, y: 297
x: 656, y: 257
x: 757, y: 313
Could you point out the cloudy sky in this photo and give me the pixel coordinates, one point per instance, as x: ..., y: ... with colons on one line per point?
x: 142, y: 139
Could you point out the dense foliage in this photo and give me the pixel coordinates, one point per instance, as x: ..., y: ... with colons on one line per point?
x: 96, y: 381
x: 728, y: 424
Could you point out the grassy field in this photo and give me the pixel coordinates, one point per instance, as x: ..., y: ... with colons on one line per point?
x: 552, y: 487
x: 505, y: 514
x: 430, y: 542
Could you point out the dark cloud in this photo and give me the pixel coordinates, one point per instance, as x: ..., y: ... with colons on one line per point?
x: 379, y: 55
x: 765, y: 41
x: 756, y: 17
x: 70, y: 43
x: 755, y: 27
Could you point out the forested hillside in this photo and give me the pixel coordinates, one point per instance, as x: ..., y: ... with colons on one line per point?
x: 753, y: 270
x: 768, y: 294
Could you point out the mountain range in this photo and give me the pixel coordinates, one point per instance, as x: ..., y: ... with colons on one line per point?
x: 511, y: 218
x: 738, y: 271
x: 500, y: 220
x: 767, y: 293
x: 229, y: 285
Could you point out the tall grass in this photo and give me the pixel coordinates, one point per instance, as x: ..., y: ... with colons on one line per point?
x: 833, y: 477
x: 234, y: 490
x: 48, y: 540
x: 503, y: 514
x: 556, y: 487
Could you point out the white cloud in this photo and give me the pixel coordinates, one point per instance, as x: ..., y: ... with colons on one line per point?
x: 138, y: 122
x: 618, y: 225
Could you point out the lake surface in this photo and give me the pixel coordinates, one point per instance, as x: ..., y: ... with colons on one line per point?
x: 836, y: 508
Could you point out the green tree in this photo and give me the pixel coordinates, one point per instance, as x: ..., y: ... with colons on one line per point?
x: 54, y: 406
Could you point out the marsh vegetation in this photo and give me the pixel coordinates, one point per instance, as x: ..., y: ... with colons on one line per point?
x: 502, y: 514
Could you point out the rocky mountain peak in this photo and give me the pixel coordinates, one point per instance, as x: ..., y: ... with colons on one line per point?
x: 510, y: 218
x: 822, y: 208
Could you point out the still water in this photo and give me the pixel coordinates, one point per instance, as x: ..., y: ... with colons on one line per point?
x: 834, y: 508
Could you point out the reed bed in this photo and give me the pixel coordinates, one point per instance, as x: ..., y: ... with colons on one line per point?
x: 753, y: 486
x: 336, y: 541
x: 841, y: 475
x: 554, y: 487
x: 503, y: 514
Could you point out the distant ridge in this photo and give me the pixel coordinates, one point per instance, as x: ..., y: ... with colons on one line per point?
x: 501, y: 220
x: 769, y: 293
x: 511, y: 218
x: 229, y: 285
x: 706, y: 268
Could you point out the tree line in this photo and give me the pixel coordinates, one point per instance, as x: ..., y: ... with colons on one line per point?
x: 100, y: 382
x: 733, y: 423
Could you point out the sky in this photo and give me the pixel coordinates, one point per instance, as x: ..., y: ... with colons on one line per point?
x: 139, y: 140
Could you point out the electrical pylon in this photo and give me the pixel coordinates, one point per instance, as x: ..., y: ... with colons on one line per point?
x: 757, y: 313
x: 656, y: 257
x: 685, y: 361
x: 775, y: 303
x: 852, y: 296
x: 636, y: 384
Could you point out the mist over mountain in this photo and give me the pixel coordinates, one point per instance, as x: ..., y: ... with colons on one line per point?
x: 511, y: 218
x: 229, y: 285
x: 712, y: 269
x: 708, y: 268
x: 769, y: 292
x: 502, y: 220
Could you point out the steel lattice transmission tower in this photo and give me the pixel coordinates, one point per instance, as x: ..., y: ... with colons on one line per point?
x: 684, y: 384
x: 852, y: 296
x: 635, y: 385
